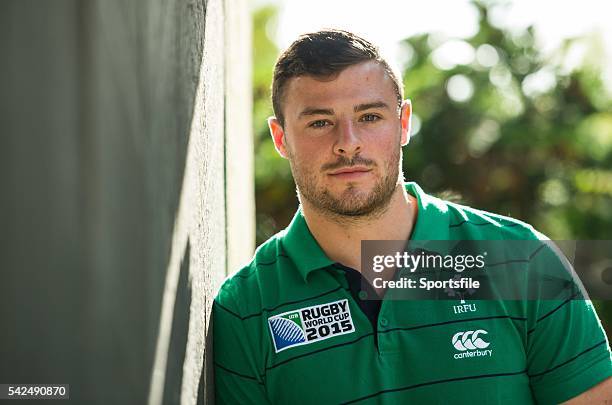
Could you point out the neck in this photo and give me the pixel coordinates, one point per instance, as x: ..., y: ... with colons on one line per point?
x: 340, y: 236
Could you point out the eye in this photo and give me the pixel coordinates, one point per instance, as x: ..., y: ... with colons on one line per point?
x: 370, y: 118
x: 319, y: 124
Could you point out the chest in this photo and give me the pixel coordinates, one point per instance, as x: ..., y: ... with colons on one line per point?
x: 419, y: 351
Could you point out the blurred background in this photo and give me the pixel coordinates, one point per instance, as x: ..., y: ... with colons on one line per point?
x: 137, y: 171
x: 512, y: 106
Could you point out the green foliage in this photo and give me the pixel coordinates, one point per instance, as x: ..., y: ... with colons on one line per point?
x: 274, y: 190
x: 531, y: 142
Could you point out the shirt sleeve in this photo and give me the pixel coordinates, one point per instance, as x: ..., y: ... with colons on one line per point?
x: 567, y: 349
x: 238, y: 379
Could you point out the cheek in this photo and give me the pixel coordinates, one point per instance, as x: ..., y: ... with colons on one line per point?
x: 387, y: 133
x: 307, y: 156
x: 313, y: 151
x: 383, y: 143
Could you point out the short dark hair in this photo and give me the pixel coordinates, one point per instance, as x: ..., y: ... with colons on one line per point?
x: 325, y: 54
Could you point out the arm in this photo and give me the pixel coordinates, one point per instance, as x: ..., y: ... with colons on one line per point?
x: 237, y: 377
x: 599, y: 394
x: 568, y: 357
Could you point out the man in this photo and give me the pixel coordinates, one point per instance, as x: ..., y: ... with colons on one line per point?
x: 295, y: 326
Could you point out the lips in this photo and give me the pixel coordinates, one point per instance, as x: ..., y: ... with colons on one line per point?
x: 350, y: 170
x: 350, y: 173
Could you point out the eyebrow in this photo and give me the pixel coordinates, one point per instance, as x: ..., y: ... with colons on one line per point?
x: 315, y: 111
x: 326, y: 111
x: 367, y: 106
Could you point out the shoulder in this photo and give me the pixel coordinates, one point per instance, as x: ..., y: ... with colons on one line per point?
x: 242, y: 290
x: 471, y: 223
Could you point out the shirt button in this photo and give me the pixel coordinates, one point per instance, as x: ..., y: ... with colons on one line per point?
x: 362, y: 295
x: 384, y: 322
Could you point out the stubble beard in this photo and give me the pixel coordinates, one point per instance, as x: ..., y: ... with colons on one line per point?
x: 353, y: 203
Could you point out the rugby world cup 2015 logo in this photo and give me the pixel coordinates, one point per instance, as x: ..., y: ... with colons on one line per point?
x: 287, y: 330
x: 310, y: 324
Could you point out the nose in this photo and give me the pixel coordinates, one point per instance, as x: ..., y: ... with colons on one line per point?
x: 348, y: 142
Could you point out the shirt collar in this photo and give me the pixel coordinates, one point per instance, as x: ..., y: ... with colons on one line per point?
x: 432, y: 218
x: 302, y: 247
x: 305, y: 252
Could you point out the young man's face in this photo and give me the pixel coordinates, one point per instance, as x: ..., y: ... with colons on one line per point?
x: 343, y: 139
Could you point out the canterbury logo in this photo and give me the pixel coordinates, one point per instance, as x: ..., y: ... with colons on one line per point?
x: 469, y: 340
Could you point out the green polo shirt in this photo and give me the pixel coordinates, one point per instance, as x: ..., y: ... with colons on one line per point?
x: 287, y: 330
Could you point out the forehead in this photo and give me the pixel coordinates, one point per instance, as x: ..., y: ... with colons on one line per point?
x: 357, y: 84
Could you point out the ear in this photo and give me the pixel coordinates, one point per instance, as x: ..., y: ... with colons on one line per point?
x: 406, y: 119
x: 278, y: 136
